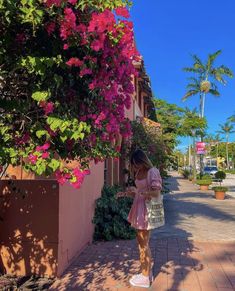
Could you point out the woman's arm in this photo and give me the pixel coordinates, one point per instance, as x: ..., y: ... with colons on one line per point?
x: 129, y: 193
x: 151, y: 194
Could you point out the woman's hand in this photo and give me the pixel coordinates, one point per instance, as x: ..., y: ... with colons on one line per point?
x: 121, y: 194
x: 131, y: 191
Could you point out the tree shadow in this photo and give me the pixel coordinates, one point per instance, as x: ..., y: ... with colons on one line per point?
x: 29, y: 236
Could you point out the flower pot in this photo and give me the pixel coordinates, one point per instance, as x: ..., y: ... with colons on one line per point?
x: 204, y: 187
x: 219, y: 195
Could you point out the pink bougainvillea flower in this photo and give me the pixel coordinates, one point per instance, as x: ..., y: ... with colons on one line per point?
x: 48, y: 108
x: 45, y: 155
x: 74, y: 62
x: 22, y: 140
x: 44, y: 147
x: 60, y: 177
x: 85, y: 71
x: 50, y: 27
x: 33, y: 159
x: 65, y: 46
x: 122, y: 11
x: 97, y: 45
x: 49, y: 3
x: 73, y: 2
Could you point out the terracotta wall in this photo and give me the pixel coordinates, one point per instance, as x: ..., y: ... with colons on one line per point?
x: 43, y: 225
x: 29, y: 227
x: 76, y: 211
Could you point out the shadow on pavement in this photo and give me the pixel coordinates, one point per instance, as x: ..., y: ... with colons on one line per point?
x: 179, y: 262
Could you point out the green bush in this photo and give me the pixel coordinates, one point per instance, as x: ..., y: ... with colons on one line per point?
x: 110, y: 217
x: 230, y: 171
x: 185, y: 173
x: 220, y: 175
x: 220, y: 188
x: 204, y: 182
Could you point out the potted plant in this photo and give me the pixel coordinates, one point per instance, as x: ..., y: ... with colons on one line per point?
x: 220, y: 190
x: 204, y: 183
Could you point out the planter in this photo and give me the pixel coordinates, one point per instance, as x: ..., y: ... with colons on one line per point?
x: 204, y: 187
x: 219, y: 195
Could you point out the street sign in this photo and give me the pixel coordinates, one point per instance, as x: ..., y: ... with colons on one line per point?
x: 200, y: 148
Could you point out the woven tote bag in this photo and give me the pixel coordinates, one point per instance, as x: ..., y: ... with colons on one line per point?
x: 155, y: 210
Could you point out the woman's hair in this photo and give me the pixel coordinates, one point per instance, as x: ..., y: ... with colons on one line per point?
x: 139, y: 157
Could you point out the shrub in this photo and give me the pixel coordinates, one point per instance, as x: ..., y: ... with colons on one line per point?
x: 110, y: 217
x: 204, y: 182
x: 206, y: 177
x: 220, y: 175
x: 185, y: 173
x: 220, y: 188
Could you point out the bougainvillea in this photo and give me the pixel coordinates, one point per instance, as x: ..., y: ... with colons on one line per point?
x: 66, y: 72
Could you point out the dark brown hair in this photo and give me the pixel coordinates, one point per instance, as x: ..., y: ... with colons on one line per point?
x: 139, y: 157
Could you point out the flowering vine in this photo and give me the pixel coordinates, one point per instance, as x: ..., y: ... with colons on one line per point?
x: 65, y: 82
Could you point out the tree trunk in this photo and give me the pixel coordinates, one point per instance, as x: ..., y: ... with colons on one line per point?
x: 227, y: 152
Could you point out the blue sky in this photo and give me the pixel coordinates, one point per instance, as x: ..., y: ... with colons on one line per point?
x: 168, y: 32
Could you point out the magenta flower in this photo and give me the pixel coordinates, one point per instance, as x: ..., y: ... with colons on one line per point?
x: 33, y: 159
x: 45, y: 155
x: 122, y: 11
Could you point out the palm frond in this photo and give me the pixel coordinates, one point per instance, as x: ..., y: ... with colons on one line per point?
x: 211, y: 59
x: 214, y: 92
x: 189, y: 94
x: 193, y: 86
x: 190, y: 70
x: 198, y: 63
x: 232, y: 118
x: 222, y: 70
x: 216, y: 74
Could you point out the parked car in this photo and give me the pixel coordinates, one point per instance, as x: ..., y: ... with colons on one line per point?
x: 210, y: 170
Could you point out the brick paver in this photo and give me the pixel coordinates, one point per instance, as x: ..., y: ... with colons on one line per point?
x: 195, y: 251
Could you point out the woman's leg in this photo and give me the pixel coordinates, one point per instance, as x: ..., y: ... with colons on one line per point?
x: 144, y: 249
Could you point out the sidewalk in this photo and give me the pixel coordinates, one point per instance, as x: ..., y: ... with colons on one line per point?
x: 194, y: 251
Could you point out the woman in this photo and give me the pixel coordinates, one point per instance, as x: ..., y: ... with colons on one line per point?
x: 148, y: 189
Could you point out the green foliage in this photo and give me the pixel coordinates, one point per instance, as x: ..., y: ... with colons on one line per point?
x: 204, y: 177
x: 185, y: 173
x: 220, y: 175
x: 192, y: 124
x: 169, y: 116
x: 230, y: 171
x: 204, y: 182
x: 220, y: 189
x: 103, y: 4
x: 110, y: 217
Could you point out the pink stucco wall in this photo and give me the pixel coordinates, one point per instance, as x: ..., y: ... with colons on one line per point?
x: 76, y: 211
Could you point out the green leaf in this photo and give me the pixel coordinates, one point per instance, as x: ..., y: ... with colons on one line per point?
x: 54, y: 164
x: 41, y: 95
x: 41, y: 133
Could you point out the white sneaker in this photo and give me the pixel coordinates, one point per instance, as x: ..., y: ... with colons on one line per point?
x: 140, y: 281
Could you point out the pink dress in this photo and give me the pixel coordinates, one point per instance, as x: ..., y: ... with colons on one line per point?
x: 138, y: 214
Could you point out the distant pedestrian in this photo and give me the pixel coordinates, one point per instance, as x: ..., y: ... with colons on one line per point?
x: 146, y: 212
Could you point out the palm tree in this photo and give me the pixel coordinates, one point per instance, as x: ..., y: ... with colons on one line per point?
x: 202, y: 85
x: 194, y: 88
x: 217, y: 140
x: 226, y: 129
x: 232, y: 118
